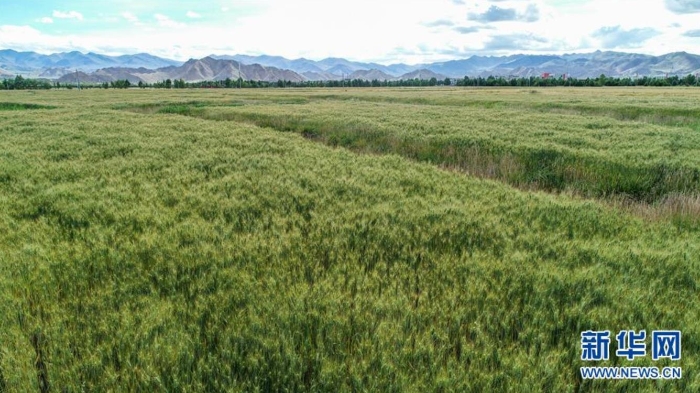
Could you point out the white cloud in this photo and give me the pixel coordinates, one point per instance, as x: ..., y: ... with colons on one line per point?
x: 193, y: 15
x: 46, y: 20
x: 683, y: 6
x: 614, y: 37
x: 67, y: 15
x: 130, y: 17
x: 165, y: 21
x: 28, y: 38
x: 225, y: 9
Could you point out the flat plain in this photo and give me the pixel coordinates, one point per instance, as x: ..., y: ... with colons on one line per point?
x: 443, y: 239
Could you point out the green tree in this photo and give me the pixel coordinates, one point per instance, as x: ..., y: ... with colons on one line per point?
x: 19, y: 82
x: 601, y: 80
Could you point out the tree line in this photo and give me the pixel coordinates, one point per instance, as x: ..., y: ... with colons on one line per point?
x: 21, y: 83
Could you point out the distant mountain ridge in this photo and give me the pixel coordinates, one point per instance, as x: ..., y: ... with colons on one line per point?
x: 193, y: 70
x: 149, y: 68
x: 371, y: 75
x: 32, y: 62
x: 333, y: 65
x: 583, y: 65
x: 423, y: 74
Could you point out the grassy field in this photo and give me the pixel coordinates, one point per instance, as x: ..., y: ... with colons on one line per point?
x: 630, y: 147
x: 225, y: 240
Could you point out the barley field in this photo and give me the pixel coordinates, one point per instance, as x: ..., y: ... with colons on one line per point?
x: 344, y: 240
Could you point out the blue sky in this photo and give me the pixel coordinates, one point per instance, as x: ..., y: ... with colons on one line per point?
x: 410, y: 31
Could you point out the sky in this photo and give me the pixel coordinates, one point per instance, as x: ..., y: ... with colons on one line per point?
x: 408, y: 31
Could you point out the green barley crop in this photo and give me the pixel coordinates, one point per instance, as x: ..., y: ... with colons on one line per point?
x: 144, y: 250
x: 627, y: 149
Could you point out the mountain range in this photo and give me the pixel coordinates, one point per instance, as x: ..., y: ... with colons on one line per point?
x: 206, y: 69
x: 32, y: 62
x: 579, y: 65
x: 93, y: 67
